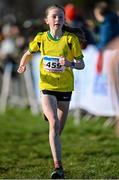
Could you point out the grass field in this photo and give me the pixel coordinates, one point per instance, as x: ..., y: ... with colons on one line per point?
x: 90, y: 150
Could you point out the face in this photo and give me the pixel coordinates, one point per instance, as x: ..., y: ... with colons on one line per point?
x: 98, y: 15
x: 55, y: 18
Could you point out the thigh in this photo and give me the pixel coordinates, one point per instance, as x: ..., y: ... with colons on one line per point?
x: 49, y: 106
x: 62, y: 111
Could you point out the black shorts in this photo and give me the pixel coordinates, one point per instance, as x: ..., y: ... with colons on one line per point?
x: 60, y: 96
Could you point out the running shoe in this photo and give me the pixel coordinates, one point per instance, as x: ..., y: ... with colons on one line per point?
x: 58, y: 173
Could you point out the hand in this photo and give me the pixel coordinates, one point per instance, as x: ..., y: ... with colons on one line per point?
x: 64, y: 62
x: 21, y: 69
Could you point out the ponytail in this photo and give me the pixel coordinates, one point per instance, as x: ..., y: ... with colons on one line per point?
x: 78, y: 32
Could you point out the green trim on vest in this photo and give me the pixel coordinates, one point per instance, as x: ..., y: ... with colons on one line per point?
x: 52, y: 38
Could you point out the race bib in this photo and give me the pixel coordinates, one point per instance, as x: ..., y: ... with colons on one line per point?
x: 52, y: 64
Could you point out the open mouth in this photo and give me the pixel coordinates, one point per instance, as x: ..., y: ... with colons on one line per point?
x: 57, y: 24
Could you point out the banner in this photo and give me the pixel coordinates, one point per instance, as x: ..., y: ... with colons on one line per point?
x: 93, y: 91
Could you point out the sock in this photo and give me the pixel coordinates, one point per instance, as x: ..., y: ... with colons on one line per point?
x: 58, y: 164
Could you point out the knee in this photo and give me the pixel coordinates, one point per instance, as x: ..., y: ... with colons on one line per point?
x: 55, y: 127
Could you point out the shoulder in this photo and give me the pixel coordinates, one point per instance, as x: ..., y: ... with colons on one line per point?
x: 70, y: 34
x: 40, y: 35
x: 71, y: 37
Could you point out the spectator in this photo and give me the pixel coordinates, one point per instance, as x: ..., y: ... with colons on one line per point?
x: 11, y: 45
x: 75, y: 18
x: 109, y: 28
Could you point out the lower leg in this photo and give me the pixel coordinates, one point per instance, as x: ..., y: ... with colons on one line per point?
x: 62, y: 111
x: 55, y: 145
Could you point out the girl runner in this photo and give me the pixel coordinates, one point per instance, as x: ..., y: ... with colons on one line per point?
x: 60, y: 52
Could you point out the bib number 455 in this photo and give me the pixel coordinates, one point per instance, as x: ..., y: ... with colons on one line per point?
x: 53, y: 65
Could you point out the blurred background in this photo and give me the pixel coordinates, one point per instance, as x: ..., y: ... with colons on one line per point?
x: 23, y: 10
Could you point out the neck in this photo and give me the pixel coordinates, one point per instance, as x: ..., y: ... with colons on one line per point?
x: 56, y: 34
